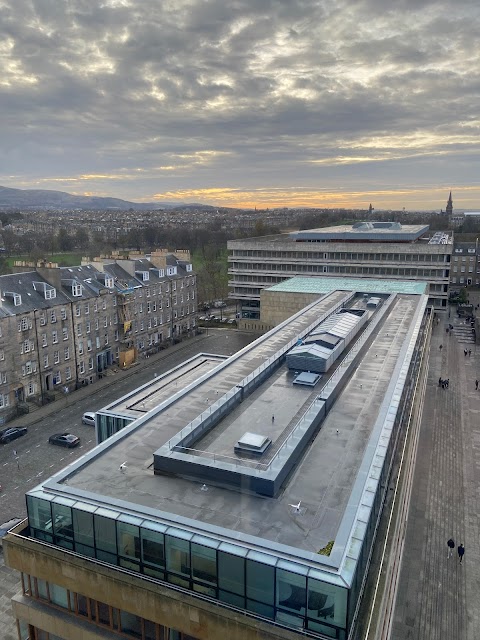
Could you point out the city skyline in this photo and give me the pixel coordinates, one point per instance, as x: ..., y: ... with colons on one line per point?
x: 265, y: 104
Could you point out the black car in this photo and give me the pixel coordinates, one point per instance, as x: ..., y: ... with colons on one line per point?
x: 64, y: 440
x: 7, y: 435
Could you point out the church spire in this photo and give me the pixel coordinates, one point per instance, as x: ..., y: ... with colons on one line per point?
x: 449, y: 209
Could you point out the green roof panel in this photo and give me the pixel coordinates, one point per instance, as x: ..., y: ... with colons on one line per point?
x: 321, y: 285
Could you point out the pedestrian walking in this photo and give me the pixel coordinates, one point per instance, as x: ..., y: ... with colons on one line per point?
x: 476, y: 385
x: 273, y: 419
x: 440, y: 347
x: 451, y: 547
x: 15, y: 451
x: 461, y: 551
x: 440, y: 382
x: 469, y: 353
x: 465, y: 352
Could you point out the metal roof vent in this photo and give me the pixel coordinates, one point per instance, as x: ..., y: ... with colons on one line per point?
x: 253, y: 444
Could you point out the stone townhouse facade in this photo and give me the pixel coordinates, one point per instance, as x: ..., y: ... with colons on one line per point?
x: 36, y: 354
x: 62, y: 328
x: 465, y: 271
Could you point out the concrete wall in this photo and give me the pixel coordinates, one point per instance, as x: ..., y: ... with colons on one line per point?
x: 277, y: 306
x: 153, y: 601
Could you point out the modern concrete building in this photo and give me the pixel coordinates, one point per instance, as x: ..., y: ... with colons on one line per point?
x: 364, y: 250
x: 244, y: 505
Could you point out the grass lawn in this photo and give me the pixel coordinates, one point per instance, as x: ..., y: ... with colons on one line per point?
x: 62, y: 259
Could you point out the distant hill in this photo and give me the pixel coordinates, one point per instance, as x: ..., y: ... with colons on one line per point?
x: 46, y: 199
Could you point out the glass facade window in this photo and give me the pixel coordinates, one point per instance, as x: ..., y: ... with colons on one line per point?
x: 153, y: 545
x: 128, y: 536
x: 231, y: 573
x: 327, y: 603
x: 40, y: 517
x: 260, y: 582
x: 42, y: 589
x: 204, y: 563
x: 131, y: 624
x: 83, y: 527
x: 178, y: 555
x: 105, y: 534
x: 62, y: 519
x: 261, y: 609
x: 58, y: 595
x: 291, y: 591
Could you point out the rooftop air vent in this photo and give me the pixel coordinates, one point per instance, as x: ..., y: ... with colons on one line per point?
x: 253, y: 444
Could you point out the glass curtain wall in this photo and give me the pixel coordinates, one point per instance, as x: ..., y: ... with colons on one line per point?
x: 290, y: 593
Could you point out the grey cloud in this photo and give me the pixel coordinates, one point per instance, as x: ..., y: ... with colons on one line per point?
x: 272, y: 83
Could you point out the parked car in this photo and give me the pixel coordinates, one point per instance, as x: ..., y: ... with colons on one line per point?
x: 89, y: 418
x: 219, y: 304
x: 7, y: 435
x: 64, y: 440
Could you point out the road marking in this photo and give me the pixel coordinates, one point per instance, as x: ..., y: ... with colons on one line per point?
x: 50, y: 466
x: 62, y: 459
x: 27, y: 451
x: 37, y: 445
x: 30, y: 479
x: 5, y: 464
x: 15, y: 488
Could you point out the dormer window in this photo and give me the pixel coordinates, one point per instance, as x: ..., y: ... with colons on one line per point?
x: 109, y: 282
x: 16, y: 297
x: 143, y: 275
x: 188, y: 267
x: 49, y: 292
x: 77, y: 289
x: 171, y: 271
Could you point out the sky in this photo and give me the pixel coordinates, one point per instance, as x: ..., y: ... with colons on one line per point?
x: 266, y: 103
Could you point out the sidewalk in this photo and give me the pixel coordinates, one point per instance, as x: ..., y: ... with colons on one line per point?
x: 437, y: 597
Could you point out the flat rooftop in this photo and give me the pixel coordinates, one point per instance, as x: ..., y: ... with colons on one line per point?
x: 364, y: 232
x: 161, y: 388
x: 328, y: 473
x: 300, y: 284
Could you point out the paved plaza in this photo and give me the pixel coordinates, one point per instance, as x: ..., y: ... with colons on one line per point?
x: 438, y: 596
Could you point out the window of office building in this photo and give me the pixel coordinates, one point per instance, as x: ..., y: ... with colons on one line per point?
x: 231, y: 574
x: 128, y: 540
x: 204, y: 560
x: 153, y: 548
x: 105, y: 534
x: 178, y: 556
x: 260, y: 584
